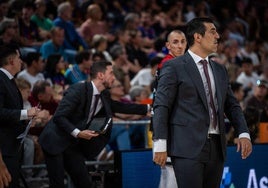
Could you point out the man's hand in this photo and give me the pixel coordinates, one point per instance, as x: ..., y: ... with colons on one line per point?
x: 5, y: 177
x: 160, y: 158
x: 244, y: 145
x: 87, y: 134
x: 33, y: 112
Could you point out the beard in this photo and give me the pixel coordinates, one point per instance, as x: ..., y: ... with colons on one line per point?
x: 106, y: 85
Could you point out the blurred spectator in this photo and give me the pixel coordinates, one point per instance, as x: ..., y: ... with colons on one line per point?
x: 80, y: 70
x: 248, y: 78
x: 121, y: 66
x: 189, y: 14
x: 136, y: 54
x: 121, y: 37
x: 147, y: 30
x: 29, y: 32
x: 42, y: 94
x: 264, y: 74
x: 44, y: 24
x: 239, y: 94
x: 55, y: 69
x: 258, y: 100
x: 72, y: 39
x: 248, y: 51
x: 99, y: 45
x: 55, y: 45
x: 94, y: 23
x: 8, y: 32
x: 146, y: 75
x: 34, y: 69
x: 131, y: 21
x: 4, y: 6
x: 98, y: 56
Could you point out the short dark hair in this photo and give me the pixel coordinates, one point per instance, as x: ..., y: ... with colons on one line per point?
x: 235, y: 86
x: 32, y: 56
x: 6, y: 51
x: 99, y: 66
x: 155, y: 61
x: 83, y: 55
x: 196, y: 25
x: 247, y: 60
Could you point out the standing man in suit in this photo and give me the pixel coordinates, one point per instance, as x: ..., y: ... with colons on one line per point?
x: 191, y: 100
x: 11, y: 111
x: 66, y: 140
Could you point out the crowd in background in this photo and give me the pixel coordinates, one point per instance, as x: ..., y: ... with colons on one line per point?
x: 59, y: 40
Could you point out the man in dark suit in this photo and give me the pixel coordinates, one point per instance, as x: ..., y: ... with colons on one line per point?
x: 11, y: 112
x: 191, y: 101
x: 66, y: 140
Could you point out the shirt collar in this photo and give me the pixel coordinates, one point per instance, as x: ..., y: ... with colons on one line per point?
x: 196, y: 57
x: 7, y: 73
x: 95, y: 90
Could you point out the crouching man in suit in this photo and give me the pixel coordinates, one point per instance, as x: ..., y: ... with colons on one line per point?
x: 67, y: 140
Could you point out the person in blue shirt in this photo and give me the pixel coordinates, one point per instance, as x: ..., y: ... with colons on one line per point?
x: 72, y: 39
x: 54, y: 45
x: 79, y: 71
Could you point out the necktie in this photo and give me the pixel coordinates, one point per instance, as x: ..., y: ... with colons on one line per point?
x: 213, y: 113
x: 93, y: 109
x: 97, y: 97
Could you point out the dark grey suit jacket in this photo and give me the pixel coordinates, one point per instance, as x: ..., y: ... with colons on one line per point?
x: 73, y: 112
x: 10, y: 110
x: 181, y: 112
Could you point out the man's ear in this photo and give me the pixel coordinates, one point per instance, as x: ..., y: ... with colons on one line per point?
x: 168, y: 45
x: 197, y: 37
x: 100, y: 75
x: 10, y: 60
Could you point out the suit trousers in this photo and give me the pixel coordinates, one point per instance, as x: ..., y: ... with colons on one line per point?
x: 72, y: 161
x: 203, y: 171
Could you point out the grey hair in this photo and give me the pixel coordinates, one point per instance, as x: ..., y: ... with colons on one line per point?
x: 62, y: 7
x: 135, y: 91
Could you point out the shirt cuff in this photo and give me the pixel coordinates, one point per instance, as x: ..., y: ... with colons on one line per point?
x: 148, y: 108
x: 160, y: 145
x: 23, y: 115
x: 75, y: 132
x: 244, y: 135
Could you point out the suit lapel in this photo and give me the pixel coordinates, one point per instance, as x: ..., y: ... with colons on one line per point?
x: 193, y: 71
x: 89, y: 92
x: 13, y: 89
x: 217, y: 82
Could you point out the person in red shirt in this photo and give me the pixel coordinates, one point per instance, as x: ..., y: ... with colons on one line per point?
x: 176, y: 44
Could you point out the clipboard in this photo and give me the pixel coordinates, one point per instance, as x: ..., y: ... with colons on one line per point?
x: 100, y: 124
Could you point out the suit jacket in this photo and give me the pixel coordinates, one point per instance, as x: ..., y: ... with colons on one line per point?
x: 10, y: 109
x: 73, y: 112
x: 181, y: 113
